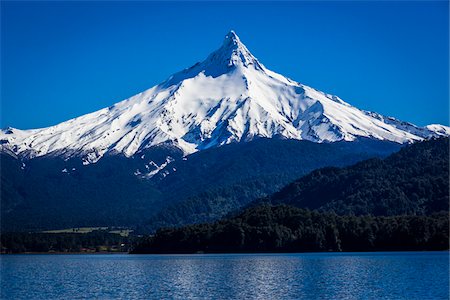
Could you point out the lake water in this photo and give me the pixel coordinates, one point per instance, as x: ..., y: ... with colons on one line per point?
x: 386, y: 275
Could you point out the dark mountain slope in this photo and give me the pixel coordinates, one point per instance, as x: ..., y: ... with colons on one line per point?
x: 212, y: 183
x: 414, y: 180
x: 39, y: 195
x: 264, y: 157
x: 411, y: 187
x: 51, y: 193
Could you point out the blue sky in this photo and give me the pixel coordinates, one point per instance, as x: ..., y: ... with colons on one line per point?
x: 60, y: 60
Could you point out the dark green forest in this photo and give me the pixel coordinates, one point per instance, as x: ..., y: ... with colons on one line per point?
x: 413, y: 181
x: 228, y: 178
x: 282, y: 228
x: 400, y: 202
x: 397, y: 203
x: 37, y: 195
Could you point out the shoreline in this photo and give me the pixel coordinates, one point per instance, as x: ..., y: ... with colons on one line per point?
x: 59, y: 253
x: 219, y: 253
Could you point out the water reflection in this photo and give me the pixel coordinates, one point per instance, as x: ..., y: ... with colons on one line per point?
x: 285, y: 276
x: 261, y: 277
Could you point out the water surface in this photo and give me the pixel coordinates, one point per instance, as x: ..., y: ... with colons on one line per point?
x: 383, y: 275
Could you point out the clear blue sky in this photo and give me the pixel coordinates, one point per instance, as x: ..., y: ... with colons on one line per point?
x: 63, y: 59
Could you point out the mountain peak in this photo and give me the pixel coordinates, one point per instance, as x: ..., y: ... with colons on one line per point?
x: 232, y: 38
x: 229, y: 97
x: 233, y: 53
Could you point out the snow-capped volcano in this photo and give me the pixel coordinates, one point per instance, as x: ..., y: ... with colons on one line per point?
x: 229, y: 97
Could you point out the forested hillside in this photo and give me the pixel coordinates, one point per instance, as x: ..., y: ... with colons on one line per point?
x: 396, y: 203
x: 413, y: 181
x: 52, y: 193
x: 215, y: 182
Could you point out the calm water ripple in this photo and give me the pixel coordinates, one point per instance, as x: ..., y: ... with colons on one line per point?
x: 384, y: 275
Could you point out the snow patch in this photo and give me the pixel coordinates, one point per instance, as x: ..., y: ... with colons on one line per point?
x: 159, y: 168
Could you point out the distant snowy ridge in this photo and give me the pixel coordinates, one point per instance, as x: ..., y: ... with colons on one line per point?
x: 229, y: 97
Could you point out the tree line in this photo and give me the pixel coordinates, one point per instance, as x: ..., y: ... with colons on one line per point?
x: 95, y: 241
x: 267, y: 228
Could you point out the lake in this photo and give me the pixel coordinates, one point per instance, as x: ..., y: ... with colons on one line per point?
x: 383, y: 275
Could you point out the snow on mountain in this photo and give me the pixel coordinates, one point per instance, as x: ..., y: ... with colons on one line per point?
x: 439, y: 129
x: 229, y: 97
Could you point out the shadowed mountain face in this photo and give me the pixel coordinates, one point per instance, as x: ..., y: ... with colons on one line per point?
x: 50, y: 192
